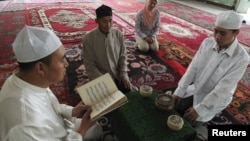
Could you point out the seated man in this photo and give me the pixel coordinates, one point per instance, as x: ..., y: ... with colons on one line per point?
x: 29, y: 110
x: 212, y: 77
x: 104, y: 51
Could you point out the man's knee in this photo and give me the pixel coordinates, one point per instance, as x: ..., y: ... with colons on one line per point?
x: 144, y: 47
x: 94, y: 133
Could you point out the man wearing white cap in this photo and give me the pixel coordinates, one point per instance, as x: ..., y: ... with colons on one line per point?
x: 212, y: 77
x: 29, y: 110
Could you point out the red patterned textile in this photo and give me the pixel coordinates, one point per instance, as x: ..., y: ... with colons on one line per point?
x: 11, y: 24
x: 175, y: 53
x: 149, y: 69
x: 201, y: 18
x: 142, y: 69
x: 28, y: 6
x: 176, y: 28
x: 190, y: 14
x: 71, y: 23
x: 124, y: 5
x: 52, y: 1
x: 239, y: 108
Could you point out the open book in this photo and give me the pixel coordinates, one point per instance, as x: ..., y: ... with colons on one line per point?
x: 102, y: 95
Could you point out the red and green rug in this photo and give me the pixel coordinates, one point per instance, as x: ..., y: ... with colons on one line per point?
x: 179, y: 39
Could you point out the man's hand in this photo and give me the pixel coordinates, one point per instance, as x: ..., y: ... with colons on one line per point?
x: 149, y: 39
x: 79, y: 110
x: 86, y: 122
x: 176, y: 99
x: 125, y: 82
x: 190, y: 115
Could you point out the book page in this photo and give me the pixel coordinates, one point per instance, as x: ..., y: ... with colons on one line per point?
x: 97, y: 89
x: 102, y: 95
x: 108, y: 104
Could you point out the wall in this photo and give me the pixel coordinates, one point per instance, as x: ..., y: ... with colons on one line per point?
x: 242, y: 6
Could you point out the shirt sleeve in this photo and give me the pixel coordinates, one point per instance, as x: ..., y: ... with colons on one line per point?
x: 123, y: 58
x: 62, y: 109
x: 219, y: 98
x: 138, y: 25
x: 39, y: 132
x: 188, y: 78
x: 89, y: 61
x: 155, y: 29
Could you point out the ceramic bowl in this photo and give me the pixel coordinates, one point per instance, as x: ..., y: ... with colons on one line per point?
x: 175, y: 122
x: 164, y: 102
x: 146, y: 90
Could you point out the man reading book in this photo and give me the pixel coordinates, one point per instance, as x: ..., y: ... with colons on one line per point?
x: 29, y: 109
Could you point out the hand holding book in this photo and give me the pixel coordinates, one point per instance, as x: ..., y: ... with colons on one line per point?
x: 102, y: 95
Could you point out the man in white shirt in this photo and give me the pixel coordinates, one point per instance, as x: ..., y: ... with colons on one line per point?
x: 29, y: 110
x: 214, y: 72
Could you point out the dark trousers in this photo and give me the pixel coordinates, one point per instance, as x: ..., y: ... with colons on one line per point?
x: 184, y: 104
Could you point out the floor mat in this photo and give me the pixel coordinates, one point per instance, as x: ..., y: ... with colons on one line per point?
x: 201, y: 18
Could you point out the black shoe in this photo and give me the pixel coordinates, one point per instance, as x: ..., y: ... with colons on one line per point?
x: 244, y: 21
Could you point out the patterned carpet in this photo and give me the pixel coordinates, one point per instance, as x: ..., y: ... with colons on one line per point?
x: 143, y: 68
x: 77, y: 20
x: 201, y: 18
x: 52, y: 1
x: 175, y: 28
x: 179, y: 39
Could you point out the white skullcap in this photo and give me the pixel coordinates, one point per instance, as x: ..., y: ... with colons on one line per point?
x: 34, y: 43
x: 229, y: 20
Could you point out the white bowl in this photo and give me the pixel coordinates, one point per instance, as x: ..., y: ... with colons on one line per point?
x: 146, y: 90
x: 175, y: 122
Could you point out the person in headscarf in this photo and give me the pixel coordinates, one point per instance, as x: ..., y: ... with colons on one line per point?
x: 147, y: 24
x: 29, y: 109
x: 208, y: 85
x: 104, y: 51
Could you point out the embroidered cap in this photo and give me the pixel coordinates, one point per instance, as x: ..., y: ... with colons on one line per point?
x: 34, y: 43
x: 229, y: 20
x: 103, y: 11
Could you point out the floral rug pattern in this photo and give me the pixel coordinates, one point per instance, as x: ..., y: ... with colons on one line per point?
x: 51, y: 1
x: 143, y: 68
x: 201, y: 18
x: 71, y: 23
x: 175, y: 28
x: 161, y: 70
